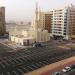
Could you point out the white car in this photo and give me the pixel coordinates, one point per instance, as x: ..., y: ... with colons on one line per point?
x: 66, y: 69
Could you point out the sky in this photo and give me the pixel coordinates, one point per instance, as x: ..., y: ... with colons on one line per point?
x: 24, y: 10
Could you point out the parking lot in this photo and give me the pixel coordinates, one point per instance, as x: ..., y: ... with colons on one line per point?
x: 27, y: 60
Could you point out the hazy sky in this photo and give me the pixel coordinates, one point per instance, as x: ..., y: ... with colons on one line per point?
x: 23, y: 10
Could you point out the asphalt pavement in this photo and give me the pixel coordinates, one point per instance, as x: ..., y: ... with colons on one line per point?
x: 72, y: 72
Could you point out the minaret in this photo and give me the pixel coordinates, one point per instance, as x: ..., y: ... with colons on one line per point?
x: 36, y: 19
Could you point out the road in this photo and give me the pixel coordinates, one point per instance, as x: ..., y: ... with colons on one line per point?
x: 70, y: 73
x: 59, y: 68
x: 50, y: 69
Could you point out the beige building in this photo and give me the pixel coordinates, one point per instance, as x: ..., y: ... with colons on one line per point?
x: 44, y: 20
x: 21, y: 40
x: 2, y: 21
x: 35, y: 32
x: 25, y: 36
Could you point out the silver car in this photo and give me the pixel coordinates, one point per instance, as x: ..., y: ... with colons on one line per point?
x: 66, y: 69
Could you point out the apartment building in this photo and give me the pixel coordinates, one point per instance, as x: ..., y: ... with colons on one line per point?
x: 71, y: 13
x: 58, y: 23
x: 2, y: 21
x: 63, y: 23
x: 44, y: 20
x: 48, y: 21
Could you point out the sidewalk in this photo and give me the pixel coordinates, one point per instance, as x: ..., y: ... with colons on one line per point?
x: 49, y: 69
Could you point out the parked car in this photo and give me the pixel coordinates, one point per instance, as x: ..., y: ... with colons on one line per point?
x: 57, y: 73
x: 72, y: 66
x: 37, y: 45
x: 66, y: 69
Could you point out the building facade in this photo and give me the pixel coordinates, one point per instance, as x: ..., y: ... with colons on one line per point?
x: 2, y: 21
x: 63, y: 24
x: 71, y: 22
x: 48, y: 21
x: 36, y: 32
x: 44, y: 20
x: 60, y: 23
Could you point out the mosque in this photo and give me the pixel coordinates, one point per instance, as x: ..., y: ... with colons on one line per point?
x: 35, y: 33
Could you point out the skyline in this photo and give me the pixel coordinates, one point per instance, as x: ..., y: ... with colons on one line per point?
x: 24, y: 10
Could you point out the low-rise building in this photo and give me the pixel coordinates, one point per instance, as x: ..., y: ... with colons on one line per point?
x: 21, y: 40
x: 30, y: 36
x: 35, y: 33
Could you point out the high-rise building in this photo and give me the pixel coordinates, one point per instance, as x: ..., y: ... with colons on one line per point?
x: 60, y: 22
x: 2, y: 21
x: 63, y: 23
x: 71, y: 22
